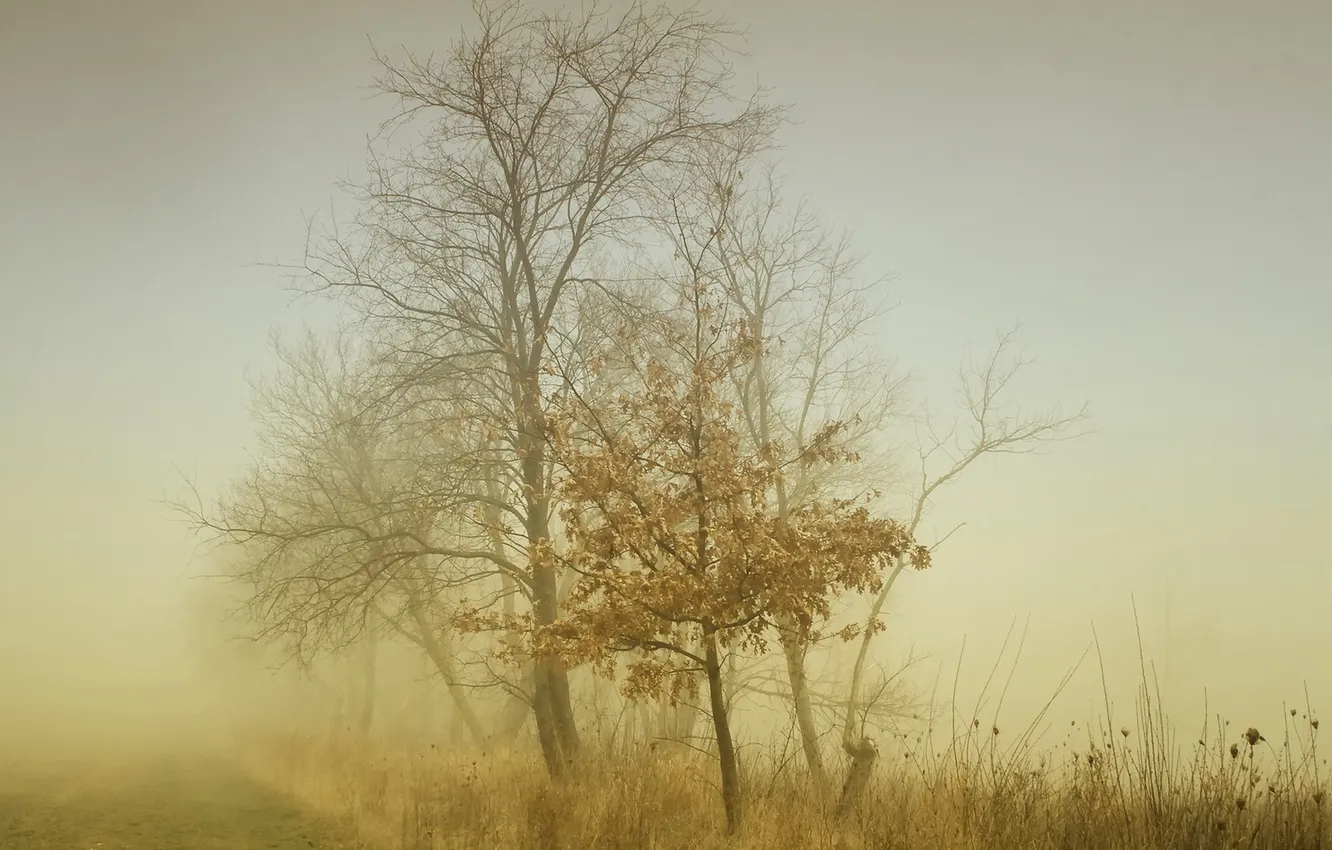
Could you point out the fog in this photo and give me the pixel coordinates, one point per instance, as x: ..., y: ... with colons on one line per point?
x: 1144, y: 186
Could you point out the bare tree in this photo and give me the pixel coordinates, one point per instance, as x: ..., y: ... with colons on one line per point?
x: 343, y: 524
x: 989, y: 425
x: 516, y: 166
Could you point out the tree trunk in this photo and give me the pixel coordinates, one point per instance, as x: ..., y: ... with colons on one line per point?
x: 515, y: 711
x: 443, y: 658
x: 675, y: 723
x: 457, y: 726
x: 721, y: 725
x: 514, y: 714
x: 794, y: 655
x: 369, y: 649
x: 864, y: 751
x: 562, y: 704
x: 551, y: 699
x: 551, y: 722
x: 338, y: 718
x: 551, y: 751
x: 863, y: 756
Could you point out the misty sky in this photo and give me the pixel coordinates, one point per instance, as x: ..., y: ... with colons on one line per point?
x: 1146, y: 186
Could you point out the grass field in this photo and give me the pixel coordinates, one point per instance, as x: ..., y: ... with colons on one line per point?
x: 149, y: 804
x: 1121, y: 790
x: 1129, y: 789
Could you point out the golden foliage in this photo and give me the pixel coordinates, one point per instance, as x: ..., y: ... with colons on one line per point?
x: 667, y: 518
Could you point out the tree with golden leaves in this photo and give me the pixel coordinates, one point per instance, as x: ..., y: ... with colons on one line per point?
x: 668, y: 524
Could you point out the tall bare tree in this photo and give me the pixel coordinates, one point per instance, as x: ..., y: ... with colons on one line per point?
x: 516, y: 166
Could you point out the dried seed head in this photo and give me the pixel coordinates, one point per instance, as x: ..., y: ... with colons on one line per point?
x: 1234, y: 751
x: 1314, y: 723
x: 1124, y: 731
x: 1239, y: 804
x: 1253, y: 736
x: 994, y: 729
x: 1292, y: 712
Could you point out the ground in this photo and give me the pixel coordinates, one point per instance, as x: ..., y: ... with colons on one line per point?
x: 150, y: 804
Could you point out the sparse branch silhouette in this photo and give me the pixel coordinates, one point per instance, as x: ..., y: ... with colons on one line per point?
x: 515, y: 168
x: 995, y: 426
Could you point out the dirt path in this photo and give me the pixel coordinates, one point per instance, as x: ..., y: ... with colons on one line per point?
x: 151, y: 805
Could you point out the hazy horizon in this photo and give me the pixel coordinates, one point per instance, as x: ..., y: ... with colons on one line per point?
x: 1144, y: 186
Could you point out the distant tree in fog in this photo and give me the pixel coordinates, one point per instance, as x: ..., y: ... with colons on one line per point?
x: 342, y: 523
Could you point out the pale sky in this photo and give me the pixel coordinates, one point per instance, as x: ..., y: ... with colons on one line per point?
x: 1146, y: 186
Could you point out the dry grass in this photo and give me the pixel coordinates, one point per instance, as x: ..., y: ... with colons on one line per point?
x: 181, y: 801
x: 1122, y: 791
